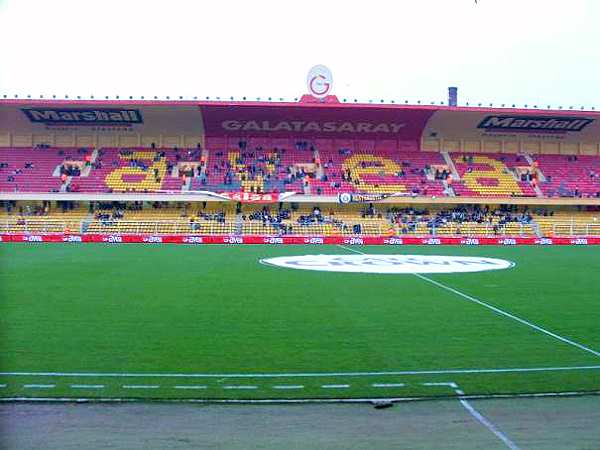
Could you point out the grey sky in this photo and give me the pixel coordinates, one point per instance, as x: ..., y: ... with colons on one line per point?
x: 542, y: 52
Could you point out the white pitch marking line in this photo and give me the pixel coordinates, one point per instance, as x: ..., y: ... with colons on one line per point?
x: 39, y: 386
x: 496, y: 310
x: 299, y: 374
x: 486, y: 423
x: 509, y: 315
x: 448, y: 384
x: 141, y: 386
x: 480, y: 418
x: 87, y: 386
x: 190, y: 387
x: 240, y: 387
x: 335, y: 386
x: 289, y: 386
x: 387, y: 385
x: 2, y: 386
x: 351, y: 249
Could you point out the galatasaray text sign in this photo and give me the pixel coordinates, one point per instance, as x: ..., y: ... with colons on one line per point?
x: 314, y: 122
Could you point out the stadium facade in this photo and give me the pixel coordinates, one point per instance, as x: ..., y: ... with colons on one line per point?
x: 411, y: 173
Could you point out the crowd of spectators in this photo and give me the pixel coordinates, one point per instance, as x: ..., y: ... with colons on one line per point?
x: 316, y: 217
x: 280, y: 219
x: 257, y: 164
x: 15, y: 172
x: 273, y: 218
x: 70, y: 170
x: 108, y: 212
x: 441, y: 175
x: 218, y: 217
x: 408, y: 219
x: 41, y: 209
x: 407, y: 167
x: 248, y: 166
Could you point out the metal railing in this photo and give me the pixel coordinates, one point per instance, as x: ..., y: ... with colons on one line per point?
x: 21, y: 225
x: 576, y: 229
x: 32, y: 225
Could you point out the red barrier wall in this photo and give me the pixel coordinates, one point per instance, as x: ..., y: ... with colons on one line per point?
x: 331, y: 240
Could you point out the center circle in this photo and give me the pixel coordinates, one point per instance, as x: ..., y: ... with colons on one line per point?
x: 389, y: 264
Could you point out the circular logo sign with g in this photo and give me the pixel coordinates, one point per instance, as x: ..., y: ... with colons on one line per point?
x: 319, y: 81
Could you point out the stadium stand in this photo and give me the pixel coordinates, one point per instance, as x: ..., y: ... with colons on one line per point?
x: 35, y: 169
x: 206, y: 218
x: 255, y: 165
x: 491, y: 175
x: 381, y: 171
x: 137, y: 170
x: 311, y: 169
x: 41, y: 217
x: 324, y: 167
x: 570, y: 175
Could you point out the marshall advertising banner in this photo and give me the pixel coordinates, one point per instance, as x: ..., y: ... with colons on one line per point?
x: 520, y: 125
x: 101, y: 118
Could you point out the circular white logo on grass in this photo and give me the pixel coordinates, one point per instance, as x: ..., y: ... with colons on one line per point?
x: 391, y: 264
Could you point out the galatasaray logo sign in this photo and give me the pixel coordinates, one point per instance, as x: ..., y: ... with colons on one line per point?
x: 389, y: 264
x: 319, y: 81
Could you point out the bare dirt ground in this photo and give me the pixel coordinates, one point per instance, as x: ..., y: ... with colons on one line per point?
x: 537, y: 423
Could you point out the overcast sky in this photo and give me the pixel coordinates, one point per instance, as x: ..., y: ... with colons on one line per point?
x: 543, y: 52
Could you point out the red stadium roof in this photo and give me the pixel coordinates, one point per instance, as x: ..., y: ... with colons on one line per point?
x: 306, y: 119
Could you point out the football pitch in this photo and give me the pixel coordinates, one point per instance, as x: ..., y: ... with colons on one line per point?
x: 177, y: 322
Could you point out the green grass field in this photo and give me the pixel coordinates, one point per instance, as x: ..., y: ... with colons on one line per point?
x: 210, y: 322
